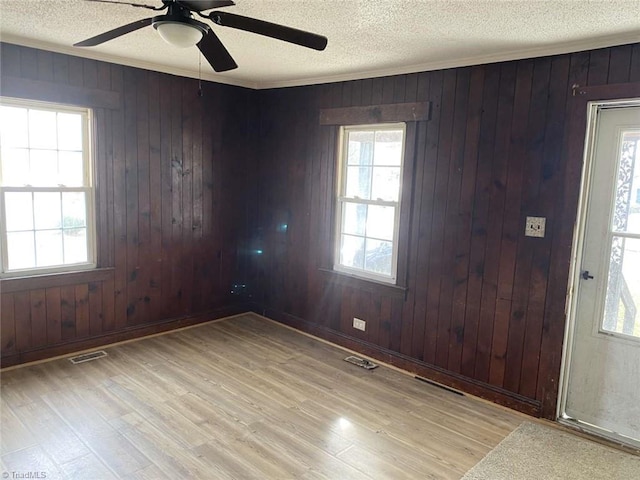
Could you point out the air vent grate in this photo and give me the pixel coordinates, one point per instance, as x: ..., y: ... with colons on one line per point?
x: 86, y: 357
x: 361, y: 362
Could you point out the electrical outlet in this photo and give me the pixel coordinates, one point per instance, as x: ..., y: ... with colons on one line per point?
x: 535, y: 226
x: 359, y: 324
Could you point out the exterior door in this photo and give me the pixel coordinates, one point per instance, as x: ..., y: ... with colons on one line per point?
x: 602, y: 384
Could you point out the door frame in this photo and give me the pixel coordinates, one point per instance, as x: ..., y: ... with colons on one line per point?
x: 580, y: 151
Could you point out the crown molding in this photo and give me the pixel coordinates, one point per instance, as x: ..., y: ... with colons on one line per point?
x: 94, y: 55
x: 519, y: 54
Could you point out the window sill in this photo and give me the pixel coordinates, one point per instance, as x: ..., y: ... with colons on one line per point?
x: 34, y: 282
x: 365, y: 284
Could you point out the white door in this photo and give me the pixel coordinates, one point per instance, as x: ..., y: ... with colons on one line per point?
x: 602, y: 385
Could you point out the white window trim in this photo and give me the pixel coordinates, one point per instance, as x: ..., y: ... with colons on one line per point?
x: 340, y: 200
x: 88, y: 188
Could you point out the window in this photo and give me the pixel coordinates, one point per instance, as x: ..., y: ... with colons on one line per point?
x: 46, y: 188
x: 368, y: 201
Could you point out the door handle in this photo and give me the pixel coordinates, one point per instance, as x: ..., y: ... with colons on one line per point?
x: 586, y: 275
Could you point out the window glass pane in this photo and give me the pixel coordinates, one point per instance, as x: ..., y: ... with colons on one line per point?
x: 386, y: 183
x: 47, y: 211
x: 74, y: 212
x: 44, y: 168
x: 15, y: 167
x: 360, y: 148
x: 354, y: 218
x: 49, y: 248
x: 14, y: 127
x: 378, y: 256
x: 42, y: 129
x: 352, y: 251
x: 42, y: 147
x: 369, y: 196
x: 75, y: 245
x: 358, y: 182
x: 71, y: 171
x: 69, y: 131
x: 388, y: 149
x: 21, y: 250
x: 380, y: 222
x: 18, y: 211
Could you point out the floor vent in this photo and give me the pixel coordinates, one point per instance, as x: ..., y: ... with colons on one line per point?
x: 439, y: 385
x: 86, y: 357
x: 361, y: 362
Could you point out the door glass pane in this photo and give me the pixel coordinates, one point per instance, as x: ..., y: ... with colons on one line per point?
x: 623, y: 289
x: 626, y: 212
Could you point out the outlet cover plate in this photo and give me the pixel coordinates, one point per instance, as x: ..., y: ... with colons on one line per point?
x: 535, y: 227
x: 359, y: 324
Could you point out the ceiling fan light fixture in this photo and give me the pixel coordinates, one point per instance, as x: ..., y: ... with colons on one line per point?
x: 178, y: 28
x: 179, y: 31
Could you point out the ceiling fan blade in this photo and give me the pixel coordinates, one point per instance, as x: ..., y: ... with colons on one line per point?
x: 273, y: 30
x: 116, y: 32
x: 216, y: 53
x: 201, y: 5
x: 150, y: 7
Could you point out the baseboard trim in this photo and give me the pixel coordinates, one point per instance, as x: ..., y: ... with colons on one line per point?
x: 414, y: 366
x: 130, y: 333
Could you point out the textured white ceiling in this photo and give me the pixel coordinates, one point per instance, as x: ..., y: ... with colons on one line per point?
x: 367, y: 38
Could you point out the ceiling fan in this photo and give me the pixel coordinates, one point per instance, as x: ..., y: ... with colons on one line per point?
x: 178, y: 27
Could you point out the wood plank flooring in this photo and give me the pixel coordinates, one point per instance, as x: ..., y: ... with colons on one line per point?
x: 242, y: 398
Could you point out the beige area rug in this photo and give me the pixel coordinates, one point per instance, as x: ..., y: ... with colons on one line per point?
x: 537, y: 452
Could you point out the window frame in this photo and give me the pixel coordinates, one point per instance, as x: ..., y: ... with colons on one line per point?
x: 88, y: 187
x: 340, y: 200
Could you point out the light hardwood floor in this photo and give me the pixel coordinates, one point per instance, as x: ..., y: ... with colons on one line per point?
x: 242, y: 398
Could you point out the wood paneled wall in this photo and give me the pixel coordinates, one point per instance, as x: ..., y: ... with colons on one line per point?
x: 484, y: 305
x: 170, y: 197
x: 205, y: 202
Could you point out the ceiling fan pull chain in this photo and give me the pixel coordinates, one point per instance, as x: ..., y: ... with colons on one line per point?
x: 199, y: 73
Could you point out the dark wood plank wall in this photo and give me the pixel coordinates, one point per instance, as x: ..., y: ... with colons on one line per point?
x: 205, y: 202
x: 478, y: 312
x: 168, y: 166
